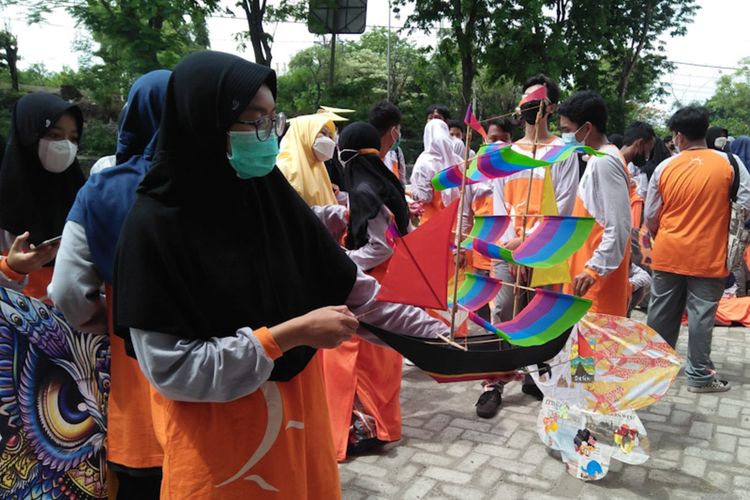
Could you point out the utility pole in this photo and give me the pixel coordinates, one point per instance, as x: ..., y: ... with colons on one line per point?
x: 332, y: 67
x: 388, y: 53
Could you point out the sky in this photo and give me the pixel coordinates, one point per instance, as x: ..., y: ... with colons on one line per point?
x: 717, y: 37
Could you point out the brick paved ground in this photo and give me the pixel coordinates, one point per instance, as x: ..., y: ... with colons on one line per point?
x: 700, y: 444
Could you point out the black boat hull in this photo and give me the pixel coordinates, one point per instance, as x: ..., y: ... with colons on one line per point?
x: 446, y: 363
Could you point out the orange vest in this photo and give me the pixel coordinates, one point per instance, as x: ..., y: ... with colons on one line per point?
x: 130, y: 431
x: 38, y: 282
x: 273, y: 443
x: 610, y: 293
x: 431, y: 208
x: 694, y: 217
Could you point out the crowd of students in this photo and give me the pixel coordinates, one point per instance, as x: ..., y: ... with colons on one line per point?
x: 226, y: 245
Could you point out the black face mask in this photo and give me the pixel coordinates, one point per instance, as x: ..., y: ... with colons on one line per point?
x: 639, y: 160
x: 529, y: 111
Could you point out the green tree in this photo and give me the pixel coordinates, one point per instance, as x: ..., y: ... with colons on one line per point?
x: 729, y: 103
x: 129, y: 37
x: 612, y: 46
x: 469, y: 27
x: 258, y: 12
x: 9, y: 56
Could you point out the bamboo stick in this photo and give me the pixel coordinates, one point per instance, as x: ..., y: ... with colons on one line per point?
x: 459, y: 232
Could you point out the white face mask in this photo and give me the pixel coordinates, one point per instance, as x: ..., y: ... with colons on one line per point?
x: 323, y: 148
x: 57, y: 156
x: 720, y: 142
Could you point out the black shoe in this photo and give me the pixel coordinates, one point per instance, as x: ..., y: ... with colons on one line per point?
x: 489, y: 403
x: 532, y: 390
x: 363, y: 446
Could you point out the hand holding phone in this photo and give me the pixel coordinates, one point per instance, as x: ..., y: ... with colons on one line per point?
x: 24, y: 258
x: 47, y: 243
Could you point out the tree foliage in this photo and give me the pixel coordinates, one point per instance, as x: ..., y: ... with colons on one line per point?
x: 9, y: 56
x: 128, y: 38
x: 729, y: 103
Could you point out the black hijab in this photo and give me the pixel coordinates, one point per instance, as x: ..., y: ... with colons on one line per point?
x: 658, y: 155
x: 202, y: 252
x: 714, y: 133
x: 31, y: 198
x: 371, y: 185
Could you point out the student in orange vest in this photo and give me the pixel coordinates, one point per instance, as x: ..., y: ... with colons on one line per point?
x: 226, y: 284
x: 521, y: 193
x: 601, y: 267
x: 687, y: 210
x: 85, y: 263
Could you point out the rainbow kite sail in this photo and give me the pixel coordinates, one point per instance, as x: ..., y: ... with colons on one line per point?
x: 489, y: 227
x: 547, y: 316
x: 554, y: 240
x: 476, y: 291
x: 500, y: 160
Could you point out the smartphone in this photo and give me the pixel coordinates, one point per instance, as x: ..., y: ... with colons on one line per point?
x: 49, y: 242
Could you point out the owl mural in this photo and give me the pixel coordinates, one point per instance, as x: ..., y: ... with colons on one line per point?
x: 54, y: 384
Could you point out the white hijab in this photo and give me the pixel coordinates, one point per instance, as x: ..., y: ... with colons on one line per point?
x: 438, y: 147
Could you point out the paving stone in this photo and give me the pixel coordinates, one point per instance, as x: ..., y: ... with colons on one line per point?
x: 471, y: 463
x: 506, y: 491
x: 438, y: 422
x: 529, y: 482
x: 448, y: 475
x: 462, y: 492
x: 680, y: 417
x: 497, y: 451
x: 431, y: 459
x: 521, y: 439
x: 728, y: 410
x: 407, y: 472
x: 459, y: 449
x: 419, y: 489
x: 725, y: 442
x: 367, y: 469
x: 489, y: 477
x: 694, y: 466
x: 700, y: 445
x: 701, y: 430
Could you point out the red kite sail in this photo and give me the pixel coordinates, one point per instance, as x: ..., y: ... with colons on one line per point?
x: 420, y: 266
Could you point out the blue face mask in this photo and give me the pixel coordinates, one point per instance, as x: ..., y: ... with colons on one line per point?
x: 570, y: 137
x: 251, y: 157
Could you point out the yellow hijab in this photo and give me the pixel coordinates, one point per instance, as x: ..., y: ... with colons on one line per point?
x: 296, y: 160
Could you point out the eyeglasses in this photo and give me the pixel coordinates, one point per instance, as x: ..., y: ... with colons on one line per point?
x: 264, y: 126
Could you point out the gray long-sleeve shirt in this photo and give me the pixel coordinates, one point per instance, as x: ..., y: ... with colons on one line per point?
x: 228, y: 368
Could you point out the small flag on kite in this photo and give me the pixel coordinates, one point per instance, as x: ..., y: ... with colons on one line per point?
x: 535, y: 95
x: 472, y: 121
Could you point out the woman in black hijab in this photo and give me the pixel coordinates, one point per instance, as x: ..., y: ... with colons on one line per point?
x: 39, y: 179
x: 374, y: 192
x: 363, y: 381
x: 716, y: 138
x: 225, y: 285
